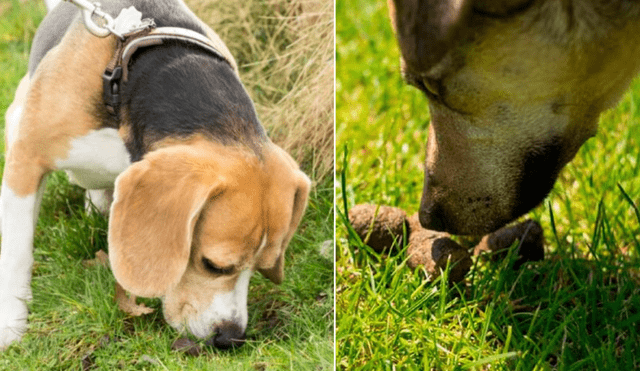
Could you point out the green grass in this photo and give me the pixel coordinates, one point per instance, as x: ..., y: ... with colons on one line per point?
x: 73, y: 316
x: 579, y: 309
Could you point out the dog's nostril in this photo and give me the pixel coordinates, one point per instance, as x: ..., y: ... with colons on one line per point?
x: 228, y: 335
x: 430, y: 215
x: 430, y: 220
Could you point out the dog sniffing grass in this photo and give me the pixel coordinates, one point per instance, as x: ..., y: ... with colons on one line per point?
x: 579, y: 309
x: 74, y: 322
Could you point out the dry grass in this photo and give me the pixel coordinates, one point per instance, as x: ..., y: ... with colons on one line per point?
x: 284, y: 49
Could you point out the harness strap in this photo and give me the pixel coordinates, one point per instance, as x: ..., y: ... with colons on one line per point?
x: 117, y: 70
x: 112, y: 76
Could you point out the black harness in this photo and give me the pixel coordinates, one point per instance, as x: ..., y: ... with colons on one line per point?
x: 117, y: 70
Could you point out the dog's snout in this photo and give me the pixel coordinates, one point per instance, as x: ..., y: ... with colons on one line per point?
x: 457, y: 211
x: 227, y: 335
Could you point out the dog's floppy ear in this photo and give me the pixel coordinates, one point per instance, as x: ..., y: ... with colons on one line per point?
x: 426, y: 29
x: 157, y: 202
x: 288, y: 195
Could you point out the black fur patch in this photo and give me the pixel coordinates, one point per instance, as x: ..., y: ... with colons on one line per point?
x: 177, y: 90
x: 540, y: 168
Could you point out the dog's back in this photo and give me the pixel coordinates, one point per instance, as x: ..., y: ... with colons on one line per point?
x: 165, y: 13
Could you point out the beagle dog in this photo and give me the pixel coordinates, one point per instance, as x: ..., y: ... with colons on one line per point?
x: 515, y: 87
x: 201, y: 198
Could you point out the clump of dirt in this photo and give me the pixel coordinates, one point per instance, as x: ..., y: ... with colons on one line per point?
x: 378, y: 227
x: 382, y: 228
x: 530, y: 247
x: 434, y: 250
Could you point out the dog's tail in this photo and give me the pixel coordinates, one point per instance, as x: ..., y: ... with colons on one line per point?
x: 52, y: 3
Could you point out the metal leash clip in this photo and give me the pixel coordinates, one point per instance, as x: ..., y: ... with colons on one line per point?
x: 128, y: 22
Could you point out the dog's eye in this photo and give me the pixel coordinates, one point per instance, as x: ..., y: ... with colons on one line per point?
x: 429, y: 86
x: 212, y: 268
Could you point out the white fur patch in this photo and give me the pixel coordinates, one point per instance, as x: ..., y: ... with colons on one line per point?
x: 100, y: 198
x: 229, y: 306
x: 16, y: 260
x: 96, y: 159
x: 13, y: 120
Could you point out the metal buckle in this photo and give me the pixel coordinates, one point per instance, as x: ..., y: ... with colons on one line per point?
x: 111, y: 81
x: 128, y: 22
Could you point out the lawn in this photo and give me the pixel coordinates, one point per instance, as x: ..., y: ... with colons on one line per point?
x: 285, y: 55
x: 578, y: 309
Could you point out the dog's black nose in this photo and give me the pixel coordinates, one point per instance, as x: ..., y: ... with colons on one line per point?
x: 227, y: 335
x: 430, y: 215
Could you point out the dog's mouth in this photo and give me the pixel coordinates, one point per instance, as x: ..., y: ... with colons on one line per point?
x: 474, y: 217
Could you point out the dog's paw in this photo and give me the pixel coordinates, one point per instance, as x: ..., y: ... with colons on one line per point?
x: 100, y: 199
x: 13, y: 320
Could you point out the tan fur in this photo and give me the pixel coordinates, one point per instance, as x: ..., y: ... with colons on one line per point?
x: 56, y: 107
x: 124, y: 131
x: 185, y: 202
x: 508, y: 88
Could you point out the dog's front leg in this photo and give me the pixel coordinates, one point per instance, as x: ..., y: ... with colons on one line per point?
x: 19, y: 206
